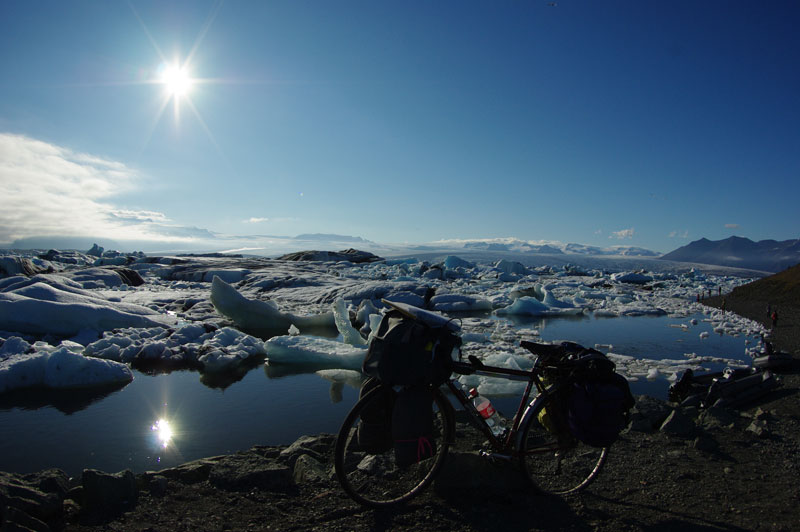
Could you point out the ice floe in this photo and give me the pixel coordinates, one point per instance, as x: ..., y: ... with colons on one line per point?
x: 58, y: 368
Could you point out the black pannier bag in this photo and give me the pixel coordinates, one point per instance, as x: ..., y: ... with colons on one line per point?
x: 374, y: 431
x: 599, y: 399
x: 408, y: 351
x: 412, y: 426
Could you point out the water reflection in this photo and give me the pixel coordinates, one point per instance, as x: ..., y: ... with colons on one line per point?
x: 163, y: 432
x: 67, y: 401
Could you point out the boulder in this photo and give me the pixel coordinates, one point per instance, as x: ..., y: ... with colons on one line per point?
x: 648, y: 414
x: 246, y: 470
x: 308, y: 469
x: 678, y: 424
x: 107, y: 495
x: 317, y: 447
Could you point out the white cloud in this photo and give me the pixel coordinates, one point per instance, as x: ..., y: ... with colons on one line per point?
x: 621, y: 234
x: 256, y: 220
x: 49, y: 190
x: 731, y: 226
x: 679, y: 234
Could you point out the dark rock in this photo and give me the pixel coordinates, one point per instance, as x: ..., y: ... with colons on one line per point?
x: 50, y: 481
x: 316, y: 446
x: 16, y: 520
x: 705, y: 443
x: 244, y: 471
x: 24, y: 506
x: 107, y: 495
x: 648, y: 414
x: 191, y: 472
x: 678, y: 424
x: 308, y: 469
x: 717, y: 417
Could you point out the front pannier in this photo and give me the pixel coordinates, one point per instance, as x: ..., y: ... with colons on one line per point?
x: 374, y: 431
x: 407, y: 351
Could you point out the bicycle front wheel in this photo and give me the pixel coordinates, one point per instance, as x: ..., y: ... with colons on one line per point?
x: 553, y: 460
x: 372, y: 476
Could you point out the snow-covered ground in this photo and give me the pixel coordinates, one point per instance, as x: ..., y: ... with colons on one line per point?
x: 91, y: 317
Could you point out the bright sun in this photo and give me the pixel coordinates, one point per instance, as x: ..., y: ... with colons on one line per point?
x: 176, y: 80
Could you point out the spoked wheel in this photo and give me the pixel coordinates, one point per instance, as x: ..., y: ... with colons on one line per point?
x: 370, y: 474
x: 553, y: 460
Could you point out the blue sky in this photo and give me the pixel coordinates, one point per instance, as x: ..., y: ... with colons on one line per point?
x: 634, y: 123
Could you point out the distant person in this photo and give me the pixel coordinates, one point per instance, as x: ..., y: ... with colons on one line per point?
x: 723, y: 304
x: 774, y: 318
x: 719, y: 290
x: 698, y: 298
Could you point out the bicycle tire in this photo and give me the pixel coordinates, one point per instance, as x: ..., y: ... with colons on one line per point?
x: 374, y: 479
x: 557, y: 464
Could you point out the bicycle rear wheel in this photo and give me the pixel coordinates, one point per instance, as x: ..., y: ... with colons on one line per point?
x: 374, y: 478
x: 555, y: 461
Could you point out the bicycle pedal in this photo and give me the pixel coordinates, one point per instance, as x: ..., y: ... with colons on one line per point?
x: 494, y: 457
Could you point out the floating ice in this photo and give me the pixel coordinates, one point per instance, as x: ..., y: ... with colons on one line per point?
x: 316, y: 352
x: 61, y: 309
x: 459, y: 303
x: 260, y: 315
x: 631, y: 277
x: 59, y: 369
x: 342, y: 318
x: 229, y: 348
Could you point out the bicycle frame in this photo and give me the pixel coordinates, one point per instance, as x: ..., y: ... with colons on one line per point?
x: 506, y: 444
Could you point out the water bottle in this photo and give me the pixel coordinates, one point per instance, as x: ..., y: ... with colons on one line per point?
x: 484, y: 407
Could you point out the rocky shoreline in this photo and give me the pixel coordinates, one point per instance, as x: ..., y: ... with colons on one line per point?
x: 715, y: 469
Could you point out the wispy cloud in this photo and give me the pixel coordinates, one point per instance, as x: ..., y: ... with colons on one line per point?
x: 256, y: 220
x: 49, y: 190
x: 622, y: 234
x: 679, y: 234
x: 731, y: 226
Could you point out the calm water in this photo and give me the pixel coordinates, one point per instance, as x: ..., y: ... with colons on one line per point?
x: 116, y: 431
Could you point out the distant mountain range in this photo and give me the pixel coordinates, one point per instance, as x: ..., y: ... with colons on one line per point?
x: 765, y: 255
x: 555, y: 248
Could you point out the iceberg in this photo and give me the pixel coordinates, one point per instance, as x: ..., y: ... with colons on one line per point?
x: 255, y: 315
x: 228, y: 349
x: 459, y: 303
x: 60, y: 369
x: 41, y: 316
x: 349, y: 334
x: 317, y: 352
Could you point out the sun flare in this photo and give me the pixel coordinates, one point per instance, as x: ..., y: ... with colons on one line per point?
x: 176, y: 80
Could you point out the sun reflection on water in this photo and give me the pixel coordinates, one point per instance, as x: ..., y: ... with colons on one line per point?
x: 163, y: 432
